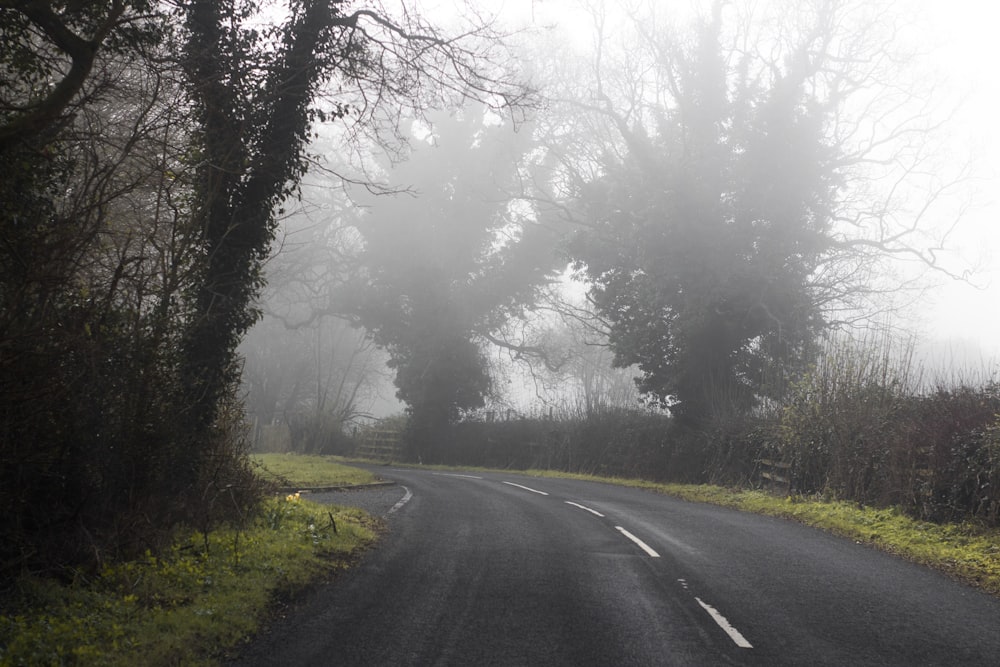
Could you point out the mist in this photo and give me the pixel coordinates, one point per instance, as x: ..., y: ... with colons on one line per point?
x: 458, y: 229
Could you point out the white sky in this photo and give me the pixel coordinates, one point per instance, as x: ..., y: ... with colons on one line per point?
x: 960, y: 311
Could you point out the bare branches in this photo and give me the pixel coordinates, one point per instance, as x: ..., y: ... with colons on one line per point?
x: 411, y: 62
x: 522, y: 350
x: 41, y: 112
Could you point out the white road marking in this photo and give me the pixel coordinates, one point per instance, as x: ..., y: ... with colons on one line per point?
x: 527, y: 488
x: 448, y: 474
x: 584, y: 507
x: 642, y: 545
x: 733, y: 633
x: 402, y: 501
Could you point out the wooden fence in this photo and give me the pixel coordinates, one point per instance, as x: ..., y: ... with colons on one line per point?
x: 379, y: 444
x: 776, y: 475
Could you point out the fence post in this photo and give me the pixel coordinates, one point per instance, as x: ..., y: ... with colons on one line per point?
x: 777, y: 473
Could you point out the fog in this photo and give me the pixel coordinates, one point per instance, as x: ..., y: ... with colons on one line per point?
x: 468, y: 212
x: 964, y: 313
x: 743, y: 243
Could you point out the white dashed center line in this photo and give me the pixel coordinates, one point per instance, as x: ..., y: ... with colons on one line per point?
x: 642, y: 545
x: 733, y: 633
x: 719, y: 619
x: 585, y: 508
x: 527, y: 488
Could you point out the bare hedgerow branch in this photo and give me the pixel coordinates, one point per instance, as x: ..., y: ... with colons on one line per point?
x: 411, y: 61
x: 56, y: 40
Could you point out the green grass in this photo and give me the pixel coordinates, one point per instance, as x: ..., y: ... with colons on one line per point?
x: 298, y: 470
x: 185, y: 607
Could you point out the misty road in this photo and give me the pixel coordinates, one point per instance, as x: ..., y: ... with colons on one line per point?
x: 497, y: 569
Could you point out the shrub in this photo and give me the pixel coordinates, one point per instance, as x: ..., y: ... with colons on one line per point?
x: 956, y: 455
x: 859, y: 428
x: 614, y: 442
x: 840, y: 420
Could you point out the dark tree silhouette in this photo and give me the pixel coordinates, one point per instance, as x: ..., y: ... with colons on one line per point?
x: 145, y: 152
x: 445, y: 264
x: 727, y: 203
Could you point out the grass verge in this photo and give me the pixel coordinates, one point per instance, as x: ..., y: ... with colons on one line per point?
x: 300, y: 470
x: 189, y: 605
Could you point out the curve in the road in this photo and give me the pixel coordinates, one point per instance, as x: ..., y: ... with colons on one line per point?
x: 495, y: 569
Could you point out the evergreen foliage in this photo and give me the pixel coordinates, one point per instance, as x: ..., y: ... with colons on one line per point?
x: 700, y: 241
x: 727, y: 206
x: 444, y: 266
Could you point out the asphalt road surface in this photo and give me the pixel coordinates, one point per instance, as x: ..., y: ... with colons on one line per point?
x: 496, y: 569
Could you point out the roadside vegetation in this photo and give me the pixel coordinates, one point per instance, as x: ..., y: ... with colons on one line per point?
x: 189, y: 604
x: 864, y: 424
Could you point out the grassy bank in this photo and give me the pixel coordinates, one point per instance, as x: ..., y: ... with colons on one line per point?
x: 187, y: 606
x: 300, y: 470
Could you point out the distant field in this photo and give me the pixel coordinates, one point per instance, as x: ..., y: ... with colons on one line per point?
x: 306, y: 471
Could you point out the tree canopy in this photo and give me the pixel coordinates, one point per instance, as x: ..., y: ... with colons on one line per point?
x: 446, y: 262
x: 721, y: 182
x: 722, y: 199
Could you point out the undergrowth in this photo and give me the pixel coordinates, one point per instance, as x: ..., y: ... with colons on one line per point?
x: 188, y: 605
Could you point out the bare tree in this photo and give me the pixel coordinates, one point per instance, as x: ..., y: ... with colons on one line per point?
x: 305, y: 367
x: 95, y: 250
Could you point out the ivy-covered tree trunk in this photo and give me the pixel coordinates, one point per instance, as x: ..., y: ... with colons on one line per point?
x: 702, y: 241
x: 249, y: 153
x: 137, y: 204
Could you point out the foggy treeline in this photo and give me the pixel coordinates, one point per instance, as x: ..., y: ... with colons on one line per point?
x: 230, y: 223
